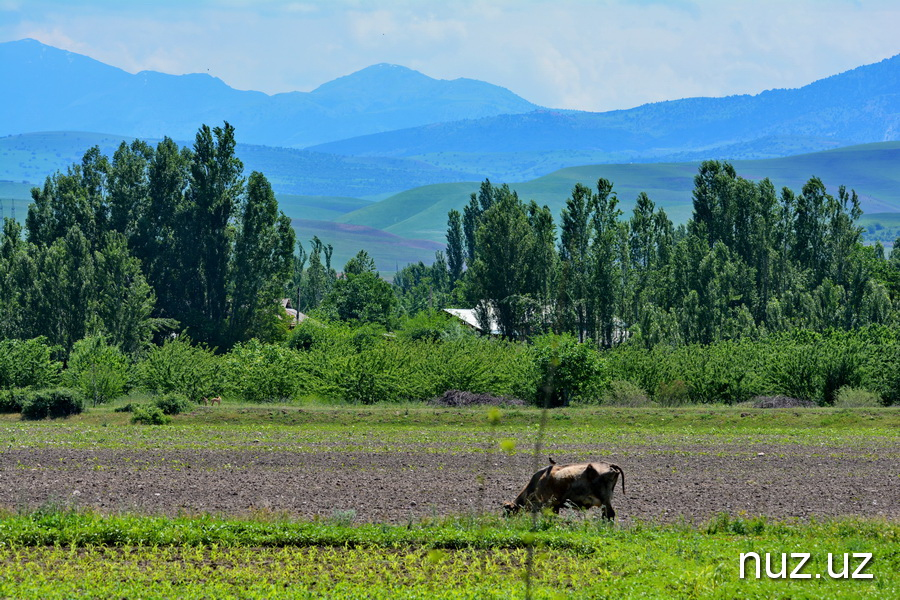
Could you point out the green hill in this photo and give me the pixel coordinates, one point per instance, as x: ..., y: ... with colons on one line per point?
x: 869, y: 169
x: 389, y: 251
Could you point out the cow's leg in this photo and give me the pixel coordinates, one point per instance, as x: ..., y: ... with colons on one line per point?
x: 608, y: 512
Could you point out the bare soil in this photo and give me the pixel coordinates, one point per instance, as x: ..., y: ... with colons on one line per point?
x: 662, y: 484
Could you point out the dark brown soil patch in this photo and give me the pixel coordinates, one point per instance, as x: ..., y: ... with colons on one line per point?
x: 777, y: 480
x: 781, y: 402
x: 460, y: 398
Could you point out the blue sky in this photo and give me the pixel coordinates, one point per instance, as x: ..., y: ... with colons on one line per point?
x: 581, y: 54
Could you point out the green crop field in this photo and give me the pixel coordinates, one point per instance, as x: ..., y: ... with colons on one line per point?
x: 54, y: 544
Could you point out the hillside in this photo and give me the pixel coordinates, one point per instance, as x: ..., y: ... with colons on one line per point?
x: 57, y: 90
x: 870, y: 169
x: 858, y: 106
x: 32, y: 157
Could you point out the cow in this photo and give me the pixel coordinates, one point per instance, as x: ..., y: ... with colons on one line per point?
x: 581, y: 485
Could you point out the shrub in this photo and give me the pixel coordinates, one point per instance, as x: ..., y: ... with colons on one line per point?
x: 27, y: 364
x: 625, y: 393
x: 54, y: 403
x: 149, y: 415
x: 126, y: 408
x: 99, y: 370
x: 258, y: 372
x: 848, y: 397
x: 178, y: 366
x: 431, y: 325
x: 308, y: 334
x: 11, y: 400
x: 673, y: 393
x: 172, y: 404
x: 564, y: 369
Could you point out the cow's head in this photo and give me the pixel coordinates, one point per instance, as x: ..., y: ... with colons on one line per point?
x: 510, y: 508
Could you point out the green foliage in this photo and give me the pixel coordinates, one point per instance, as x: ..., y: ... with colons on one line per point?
x: 149, y: 415
x: 361, y: 295
x: 848, y: 397
x: 181, y: 367
x: 362, y: 364
x: 100, y: 371
x: 800, y: 364
x: 52, y: 402
x: 258, y: 372
x: 565, y: 370
x: 308, y: 334
x: 430, y: 325
x: 673, y: 393
x: 12, y: 400
x: 625, y: 394
x: 172, y: 404
x: 27, y: 364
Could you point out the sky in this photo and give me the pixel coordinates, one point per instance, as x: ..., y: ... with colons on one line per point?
x: 593, y: 55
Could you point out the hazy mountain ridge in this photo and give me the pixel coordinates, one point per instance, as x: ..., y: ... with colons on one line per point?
x: 58, y: 90
x: 32, y: 157
x: 858, y: 106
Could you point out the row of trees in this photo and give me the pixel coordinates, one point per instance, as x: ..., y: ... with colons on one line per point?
x: 751, y: 260
x: 156, y: 240
x: 152, y: 240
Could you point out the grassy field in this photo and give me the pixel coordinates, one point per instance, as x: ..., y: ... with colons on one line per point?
x: 65, y: 554
x: 60, y: 551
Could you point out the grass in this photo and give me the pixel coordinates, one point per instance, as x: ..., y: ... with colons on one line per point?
x: 308, y: 424
x: 53, y: 553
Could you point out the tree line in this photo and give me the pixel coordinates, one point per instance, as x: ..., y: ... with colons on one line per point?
x: 751, y: 261
x: 151, y: 241
x: 161, y: 240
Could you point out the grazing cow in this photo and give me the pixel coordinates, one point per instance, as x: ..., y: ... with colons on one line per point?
x: 581, y: 485
x: 211, y: 401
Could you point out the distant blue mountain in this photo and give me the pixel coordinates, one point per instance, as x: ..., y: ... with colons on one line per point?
x: 48, y: 89
x: 858, y: 106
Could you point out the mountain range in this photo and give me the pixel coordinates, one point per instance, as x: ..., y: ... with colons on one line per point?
x: 56, y: 90
x: 418, y: 146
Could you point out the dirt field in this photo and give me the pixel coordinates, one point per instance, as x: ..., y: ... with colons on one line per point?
x: 662, y: 483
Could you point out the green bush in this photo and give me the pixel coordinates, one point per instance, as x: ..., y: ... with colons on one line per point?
x: 180, y: 367
x: 626, y: 394
x: 673, y: 393
x: 28, y: 364
x: 308, y: 334
x: 351, y: 365
x: 11, y: 400
x: 430, y: 326
x: 149, y: 415
x: 258, y: 372
x: 172, y: 404
x: 54, y: 403
x: 100, y: 371
x: 848, y: 397
x: 564, y: 370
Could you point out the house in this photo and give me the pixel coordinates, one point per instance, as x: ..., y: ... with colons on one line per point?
x: 467, y: 316
x: 296, y: 317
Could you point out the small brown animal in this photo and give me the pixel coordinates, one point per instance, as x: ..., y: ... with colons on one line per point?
x: 581, y: 485
x: 211, y: 401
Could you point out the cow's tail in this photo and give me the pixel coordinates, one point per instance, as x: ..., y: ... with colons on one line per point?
x: 619, y: 470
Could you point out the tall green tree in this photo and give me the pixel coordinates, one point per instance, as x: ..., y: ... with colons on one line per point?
x: 263, y: 253
x: 455, y: 245
x: 205, y: 242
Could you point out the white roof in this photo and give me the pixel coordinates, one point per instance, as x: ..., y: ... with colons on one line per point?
x: 467, y: 315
